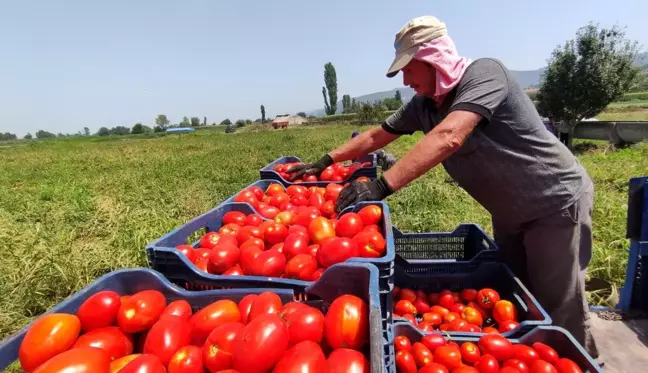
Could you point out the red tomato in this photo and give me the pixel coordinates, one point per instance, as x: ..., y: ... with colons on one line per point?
x: 110, y: 339
x: 451, y: 317
x: 525, y: 353
x: 434, y: 368
x: 275, y: 233
x: 247, y: 196
x: 371, y: 214
x: 472, y: 316
x: 248, y: 257
x: 247, y: 232
x: 98, y: 311
x: 508, y: 369
x: 496, y: 345
x: 490, y: 330
x: 253, y: 220
x: 290, y: 308
x: 201, y: 264
x: 305, y: 217
x: 405, y: 362
x: 141, y: 311
x: 265, y: 303
x: 235, y: 217
x: 305, y: 324
x: 402, y: 343
x: 78, y: 360
x: 565, y: 365
x: 260, y: 344
x: 279, y: 199
x: 298, y: 229
x: 346, y: 323
x: 470, y: 353
x: 229, y: 230
x: 404, y: 306
x: 295, y: 244
x: 487, y: 298
x: 188, y: 359
x: 446, y: 300
x: 517, y: 364
x: 433, y: 341
x: 268, y: 212
x: 217, y: 350
x: 187, y: 251
x: 214, y: 315
x: 234, y: 271
x: 370, y: 244
x: 317, y: 274
x: 541, y: 366
x: 468, y: 295
x: 422, y: 354
x: 507, y: 326
x: 117, y: 365
x: 245, y: 305
x: 440, y: 310
x: 433, y: 318
x: 304, y: 357
x: 458, y: 308
x: 449, y: 356
x: 328, y: 209
x: 209, y: 240
x: 199, y: 253
x: 504, y: 311
x: 223, y: 257
x: 145, y: 363
x: 256, y: 242
x: 48, y: 336
x: 271, y: 263
x: 166, y: 337
x: 286, y: 218
x: 316, y: 200
x: 487, y: 364
x: 345, y: 360
x: 258, y: 192
x: 465, y: 369
x: 332, y: 192
x: 274, y: 189
x: 301, y: 267
x: 421, y: 305
x: 335, y: 251
x: 545, y: 352
x: 349, y: 225
x: 319, y: 229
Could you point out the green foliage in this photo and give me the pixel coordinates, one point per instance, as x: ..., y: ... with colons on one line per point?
x: 240, y: 123
x: 7, y: 136
x: 28, y: 136
x: 158, y: 129
x: 346, y: 104
x: 162, y: 121
x: 392, y: 103
x: 327, y: 107
x: 398, y: 96
x: 302, y: 114
x: 40, y: 134
x: 86, y: 131
x: 635, y: 96
x: 120, y: 130
x: 103, y: 131
x: 138, y: 128
x: 204, y: 121
x: 263, y: 118
x: 185, y: 122
x: 231, y: 128
x: 226, y: 122
x: 195, y: 122
x: 330, y: 80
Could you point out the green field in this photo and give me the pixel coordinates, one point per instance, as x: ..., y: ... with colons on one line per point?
x: 73, y: 210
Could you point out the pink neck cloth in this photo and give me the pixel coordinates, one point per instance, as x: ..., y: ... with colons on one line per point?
x: 442, y: 54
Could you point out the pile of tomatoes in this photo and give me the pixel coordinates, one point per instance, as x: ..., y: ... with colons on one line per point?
x: 491, y: 354
x: 470, y: 310
x: 297, y: 244
x: 335, y: 172
x: 142, y: 333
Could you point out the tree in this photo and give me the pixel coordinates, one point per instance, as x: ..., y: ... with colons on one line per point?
x: 28, y: 136
x: 640, y: 83
x: 204, y: 121
x: 398, y: 96
x: 327, y: 107
x: 103, y: 131
x: 40, y: 134
x: 240, y: 123
x: 346, y: 104
x: 230, y: 128
x: 226, y: 122
x: 158, y: 129
x: 263, y: 118
x: 137, y: 128
x: 120, y: 130
x: 302, y: 114
x: 330, y: 80
x: 162, y: 121
x: 185, y: 122
x: 585, y: 75
x: 195, y: 121
x: 392, y: 103
x: 86, y: 131
x: 7, y: 136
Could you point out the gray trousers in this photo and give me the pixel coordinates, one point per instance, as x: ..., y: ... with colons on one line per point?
x: 550, y: 256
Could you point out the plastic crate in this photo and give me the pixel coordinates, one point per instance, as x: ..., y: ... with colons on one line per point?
x: 268, y: 171
x: 165, y: 258
x: 356, y: 279
x: 558, y: 338
x: 467, y: 242
x: 434, y: 277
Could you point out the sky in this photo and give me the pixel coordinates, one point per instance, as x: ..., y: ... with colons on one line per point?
x: 69, y: 64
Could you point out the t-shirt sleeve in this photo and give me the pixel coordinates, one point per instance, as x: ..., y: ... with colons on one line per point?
x: 405, y: 120
x: 483, y: 88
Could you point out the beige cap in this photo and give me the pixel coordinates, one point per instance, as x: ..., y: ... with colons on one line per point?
x: 415, y: 32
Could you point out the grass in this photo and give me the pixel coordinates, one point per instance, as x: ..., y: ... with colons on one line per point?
x: 73, y: 210
x: 634, y: 114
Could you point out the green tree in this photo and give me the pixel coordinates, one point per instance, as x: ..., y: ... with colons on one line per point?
x: 330, y: 80
x: 398, y: 96
x: 392, y: 103
x: 162, y: 121
x: 40, y: 134
x: 302, y: 114
x: 86, y: 131
x: 585, y: 75
x: 7, y: 136
x: 120, y: 130
x: 226, y: 122
x: 185, y: 122
x: 103, y: 131
x: 327, y: 107
x: 346, y: 104
x: 204, y: 121
x: 28, y: 136
x: 263, y: 118
x: 158, y: 129
x: 240, y: 123
x: 195, y: 121
x: 640, y: 83
x: 137, y: 128
x: 230, y: 128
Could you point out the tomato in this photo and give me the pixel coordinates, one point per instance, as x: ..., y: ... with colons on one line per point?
x: 275, y: 233
x: 507, y: 326
x: 223, y: 257
x: 145, y: 363
x: 470, y: 353
x: 274, y: 189
x: 402, y: 343
x: 247, y: 196
x: 496, y: 345
x: 349, y: 225
x: 433, y: 368
x: 235, y: 217
x: 465, y: 369
x: 545, y: 352
x: 433, y: 318
x: 317, y: 274
x: 268, y: 212
x: 209, y: 240
x: 411, y: 318
x: 468, y: 295
x: 271, y: 263
x: 565, y: 365
x: 304, y: 357
x: 457, y: 308
x: 449, y: 356
x: 301, y: 267
x: 141, y: 311
x: 258, y: 192
x: 110, y: 339
x: 253, y: 220
x: 234, y: 271
x: 305, y: 324
x: 260, y: 344
x: 405, y: 362
x: 525, y: 353
x: 541, y: 366
x: 472, y: 316
x: 487, y: 364
x: 214, y: 315
x: 328, y: 209
x: 504, y: 311
x: 508, y: 369
x: 370, y: 245
x: 345, y: 360
x: 78, y: 360
x: 295, y: 244
x: 332, y: 191
x: 451, y: 317
x: 286, y: 218
x: 440, y: 310
x: 229, y: 230
x: 187, y: 251
x: 217, y: 350
x: 117, y: 365
x: 446, y: 301
x: 247, y: 232
x: 433, y: 341
x: 422, y: 354
x: 346, y: 324
x: 188, y: 359
x: 248, y: 257
x: 316, y: 200
x: 166, y: 337
x: 265, y: 303
x: 336, y: 250
x: 433, y: 298
x: 371, y: 214
x: 404, y: 306
x: 517, y: 364
x: 48, y: 336
x: 487, y: 298
x: 98, y: 311
x: 319, y: 229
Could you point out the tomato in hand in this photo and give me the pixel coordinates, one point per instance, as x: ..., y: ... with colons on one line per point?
x: 370, y: 245
x: 486, y: 298
x: 98, y: 311
x: 179, y: 308
x: 145, y: 363
x: 78, y: 360
x: 545, y: 352
x: 345, y: 360
x: 188, y: 359
x: 496, y: 345
x: 260, y: 344
x: 470, y: 353
x: 141, y: 311
x: 346, y: 324
x: 304, y: 357
x: 214, y: 315
x: 110, y: 339
x: 47, y: 337
x: 301, y: 267
x: 217, y: 350
x: 405, y: 362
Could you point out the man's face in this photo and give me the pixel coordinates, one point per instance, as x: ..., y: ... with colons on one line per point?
x: 421, y: 77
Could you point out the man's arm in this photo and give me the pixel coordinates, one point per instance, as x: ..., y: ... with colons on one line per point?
x: 435, y: 147
x: 363, y: 144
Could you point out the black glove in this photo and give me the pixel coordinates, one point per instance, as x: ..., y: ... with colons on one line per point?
x: 357, y: 191
x: 311, y: 168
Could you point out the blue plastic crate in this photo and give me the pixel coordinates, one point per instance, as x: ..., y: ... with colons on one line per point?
x: 467, y: 242
x: 558, y: 338
x: 434, y: 277
x: 352, y: 278
x: 268, y: 171
x: 165, y: 258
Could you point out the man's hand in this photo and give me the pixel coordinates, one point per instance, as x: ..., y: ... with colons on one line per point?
x: 311, y: 168
x: 357, y: 191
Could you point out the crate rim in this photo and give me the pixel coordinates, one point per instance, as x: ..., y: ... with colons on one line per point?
x: 268, y: 169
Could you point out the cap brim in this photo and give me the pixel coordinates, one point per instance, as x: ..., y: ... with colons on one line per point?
x: 401, y: 60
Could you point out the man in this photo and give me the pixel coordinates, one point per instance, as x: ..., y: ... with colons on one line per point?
x: 481, y: 125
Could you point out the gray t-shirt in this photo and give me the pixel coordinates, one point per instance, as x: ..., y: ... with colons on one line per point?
x: 510, y: 163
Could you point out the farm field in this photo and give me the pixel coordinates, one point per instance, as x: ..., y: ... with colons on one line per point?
x: 72, y: 210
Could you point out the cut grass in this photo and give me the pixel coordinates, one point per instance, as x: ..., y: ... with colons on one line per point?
x: 73, y: 210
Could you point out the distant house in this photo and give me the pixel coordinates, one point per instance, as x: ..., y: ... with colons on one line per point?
x: 180, y: 130
x: 284, y: 121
